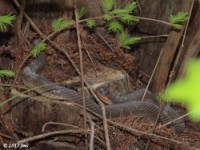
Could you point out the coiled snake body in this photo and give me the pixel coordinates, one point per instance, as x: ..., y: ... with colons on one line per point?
x: 131, y: 106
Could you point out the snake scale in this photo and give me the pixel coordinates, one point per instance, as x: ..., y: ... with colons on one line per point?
x: 129, y: 104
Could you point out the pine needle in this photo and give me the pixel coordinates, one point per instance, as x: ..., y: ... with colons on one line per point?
x: 61, y: 23
x: 38, y: 49
x: 114, y: 26
x: 8, y: 73
x: 131, y: 6
x: 126, y: 40
x: 6, y: 20
x: 81, y: 12
x: 178, y: 19
x: 106, y: 5
x: 90, y: 23
x: 107, y: 17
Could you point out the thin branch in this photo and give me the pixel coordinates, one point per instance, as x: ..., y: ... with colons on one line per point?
x: 173, y: 70
x: 146, y: 89
x: 92, y: 126
x: 105, y: 41
x: 81, y: 70
x: 138, y: 17
x: 168, y: 123
x: 90, y: 58
x: 45, y: 135
x: 20, y: 20
x: 154, y: 36
x: 58, y: 124
x: 154, y: 70
x: 154, y: 127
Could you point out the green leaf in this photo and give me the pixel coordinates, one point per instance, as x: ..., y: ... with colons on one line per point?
x: 186, y: 90
x: 177, y: 26
x: 129, y: 19
x: 90, y: 23
x: 81, y: 12
x: 176, y: 20
x: 131, y: 6
x: 6, y: 20
x: 61, y: 23
x: 38, y: 49
x: 126, y: 40
x: 8, y: 73
x: 107, y: 17
x: 106, y: 5
x: 115, y: 26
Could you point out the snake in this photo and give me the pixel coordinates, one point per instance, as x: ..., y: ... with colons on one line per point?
x: 124, y: 106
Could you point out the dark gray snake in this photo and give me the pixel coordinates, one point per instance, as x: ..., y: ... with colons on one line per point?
x: 130, y: 104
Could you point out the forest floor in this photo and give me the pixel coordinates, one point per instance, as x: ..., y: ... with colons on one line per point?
x: 96, y: 51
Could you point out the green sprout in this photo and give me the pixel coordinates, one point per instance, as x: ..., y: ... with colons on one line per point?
x: 8, y: 73
x: 90, y: 23
x: 60, y: 23
x: 126, y: 40
x: 178, y: 19
x: 81, y: 12
x: 107, y: 5
x: 6, y: 20
x: 38, y: 49
x: 115, y: 26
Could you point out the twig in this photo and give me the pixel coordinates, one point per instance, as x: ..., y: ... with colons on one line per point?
x: 19, y: 20
x: 154, y: 70
x: 58, y: 124
x: 154, y: 127
x: 21, y: 65
x: 146, y: 89
x: 139, y: 6
x: 42, y: 136
x: 105, y: 41
x: 138, y: 17
x: 154, y: 36
x: 90, y: 58
x: 92, y: 125
x: 13, y: 85
x: 173, y: 70
x: 81, y: 71
x: 168, y: 123
x: 5, y: 136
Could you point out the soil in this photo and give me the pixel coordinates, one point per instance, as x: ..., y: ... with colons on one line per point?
x: 59, y: 69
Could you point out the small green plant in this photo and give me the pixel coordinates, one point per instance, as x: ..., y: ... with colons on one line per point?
x: 178, y: 19
x: 186, y: 90
x: 61, y: 23
x: 81, y: 12
x: 38, y: 49
x: 90, y: 23
x: 106, y: 5
x: 117, y: 19
x: 126, y: 40
x: 5, y: 21
x: 8, y: 73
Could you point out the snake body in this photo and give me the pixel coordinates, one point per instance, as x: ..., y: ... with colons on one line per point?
x: 131, y: 106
